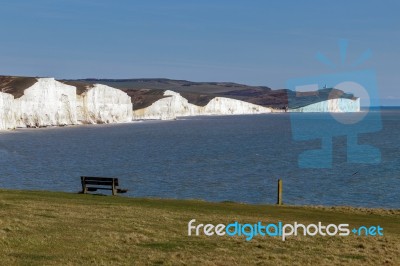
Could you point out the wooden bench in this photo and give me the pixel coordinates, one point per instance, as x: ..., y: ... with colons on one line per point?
x: 105, y: 183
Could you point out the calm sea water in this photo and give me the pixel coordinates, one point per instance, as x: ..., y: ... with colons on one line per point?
x: 235, y: 158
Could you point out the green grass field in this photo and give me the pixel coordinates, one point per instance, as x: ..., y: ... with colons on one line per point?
x: 52, y: 228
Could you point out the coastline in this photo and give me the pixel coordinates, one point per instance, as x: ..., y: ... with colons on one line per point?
x: 49, y: 102
x: 178, y: 118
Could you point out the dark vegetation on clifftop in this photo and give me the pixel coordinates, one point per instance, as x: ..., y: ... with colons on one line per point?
x: 15, y: 85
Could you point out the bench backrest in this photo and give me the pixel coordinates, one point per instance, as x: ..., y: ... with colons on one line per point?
x: 101, y: 181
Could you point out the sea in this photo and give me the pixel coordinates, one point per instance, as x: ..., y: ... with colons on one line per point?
x: 217, y: 158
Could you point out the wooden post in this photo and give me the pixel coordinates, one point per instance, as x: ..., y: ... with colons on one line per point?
x: 279, y: 192
x: 113, y: 187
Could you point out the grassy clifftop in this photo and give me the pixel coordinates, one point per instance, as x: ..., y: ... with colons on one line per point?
x: 51, y: 228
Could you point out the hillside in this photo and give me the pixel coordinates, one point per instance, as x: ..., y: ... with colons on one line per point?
x: 146, y: 91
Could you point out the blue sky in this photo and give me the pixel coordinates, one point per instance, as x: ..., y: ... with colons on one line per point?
x: 251, y: 42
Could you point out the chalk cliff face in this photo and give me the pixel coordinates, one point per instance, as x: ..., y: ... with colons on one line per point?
x: 7, y: 118
x: 331, y: 105
x: 177, y: 106
x: 227, y: 106
x: 52, y: 103
x: 103, y: 104
x: 167, y: 108
x: 46, y: 103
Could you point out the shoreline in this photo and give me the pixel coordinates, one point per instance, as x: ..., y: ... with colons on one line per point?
x: 178, y: 118
x: 343, y: 208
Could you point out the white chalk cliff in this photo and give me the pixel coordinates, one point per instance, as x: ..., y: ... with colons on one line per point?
x: 227, y: 106
x: 332, y: 105
x: 103, y: 104
x: 46, y: 103
x: 174, y: 105
x: 170, y: 107
x: 49, y: 102
x: 7, y: 118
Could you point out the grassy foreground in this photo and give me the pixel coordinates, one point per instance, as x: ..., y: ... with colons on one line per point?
x: 51, y: 228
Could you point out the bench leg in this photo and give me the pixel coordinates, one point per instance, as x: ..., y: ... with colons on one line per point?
x: 84, y: 188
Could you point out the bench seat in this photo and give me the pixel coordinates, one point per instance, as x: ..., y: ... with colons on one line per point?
x: 103, y: 183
